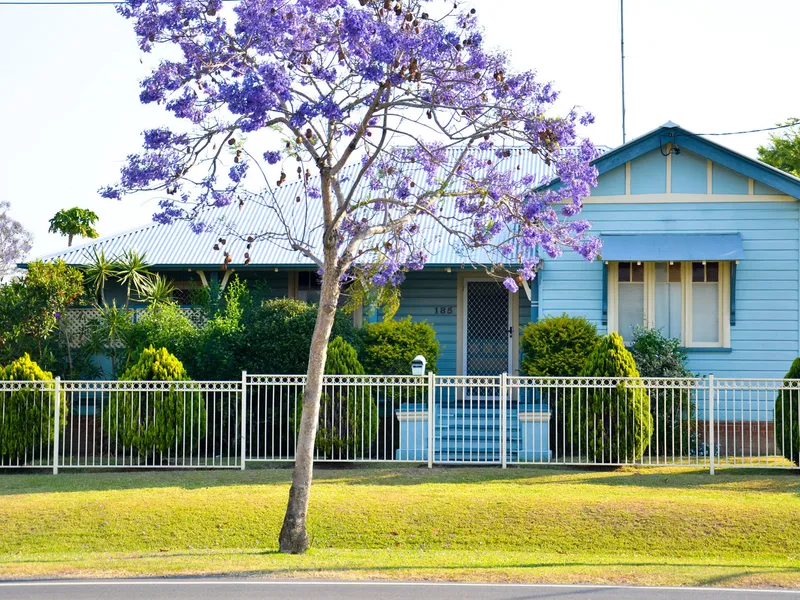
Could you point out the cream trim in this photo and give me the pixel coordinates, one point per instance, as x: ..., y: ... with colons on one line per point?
x: 534, y: 416
x: 203, y: 278
x: 513, y: 300
x: 685, y: 198
x: 292, y: 286
x: 225, y: 279
x: 669, y: 168
x: 613, y: 297
x: 751, y: 186
x: 709, y: 177
x: 628, y: 178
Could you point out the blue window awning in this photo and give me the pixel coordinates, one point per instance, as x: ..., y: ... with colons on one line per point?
x: 672, y: 246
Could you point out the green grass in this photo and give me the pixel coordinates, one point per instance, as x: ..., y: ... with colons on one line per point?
x: 648, y: 526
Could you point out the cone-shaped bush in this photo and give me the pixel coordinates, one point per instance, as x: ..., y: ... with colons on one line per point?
x: 611, y: 423
x: 342, y: 359
x: 166, y: 421
x: 27, y: 414
x: 787, y: 416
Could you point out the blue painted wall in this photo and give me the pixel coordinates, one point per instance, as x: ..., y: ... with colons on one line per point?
x: 689, y: 173
x: 726, y: 181
x: 611, y: 183
x: 649, y: 173
x: 764, y: 340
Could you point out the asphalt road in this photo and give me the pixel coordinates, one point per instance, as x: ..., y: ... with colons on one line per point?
x: 232, y: 589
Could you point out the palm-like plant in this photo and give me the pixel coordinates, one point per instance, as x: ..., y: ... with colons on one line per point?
x: 98, y: 271
x: 74, y: 221
x: 157, y: 291
x: 109, y: 334
x: 132, y: 270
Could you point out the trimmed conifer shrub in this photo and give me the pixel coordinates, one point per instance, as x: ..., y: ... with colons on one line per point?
x: 156, y: 421
x: 787, y: 416
x: 27, y: 414
x: 611, y: 425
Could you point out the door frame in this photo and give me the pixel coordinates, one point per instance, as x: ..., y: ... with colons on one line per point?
x: 461, y: 325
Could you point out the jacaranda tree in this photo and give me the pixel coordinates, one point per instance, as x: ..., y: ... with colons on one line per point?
x: 404, y: 131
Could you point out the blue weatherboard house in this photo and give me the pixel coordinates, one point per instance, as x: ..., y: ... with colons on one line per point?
x: 698, y: 240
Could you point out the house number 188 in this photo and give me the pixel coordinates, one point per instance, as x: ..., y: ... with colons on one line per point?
x: 444, y: 310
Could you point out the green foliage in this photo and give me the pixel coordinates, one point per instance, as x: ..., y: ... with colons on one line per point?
x: 132, y: 271
x: 348, y: 415
x: 74, y: 221
x: 170, y: 419
x: 278, y: 336
x: 610, y: 424
x: 557, y: 346
x: 98, y: 271
x: 31, y: 306
x: 156, y: 290
x: 111, y: 334
x: 342, y: 359
x: 27, y: 415
x: 783, y: 150
x: 388, y: 347
x: 787, y: 416
x: 163, y: 326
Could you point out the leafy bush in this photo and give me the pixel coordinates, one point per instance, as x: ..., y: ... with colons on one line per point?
x: 388, y: 347
x: 156, y: 420
x: 27, y: 415
x: 278, y: 337
x: 163, y: 326
x: 611, y: 425
x: 787, y: 416
x: 557, y: 346
x: 348, y: 415
x: 659, y: 356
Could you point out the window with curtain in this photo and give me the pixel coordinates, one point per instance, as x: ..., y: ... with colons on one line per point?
x: 630, y: 276
x: 668, y: 299
x: 705, y: 302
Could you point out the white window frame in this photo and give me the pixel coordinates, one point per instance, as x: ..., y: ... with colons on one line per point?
x: 724, y: 297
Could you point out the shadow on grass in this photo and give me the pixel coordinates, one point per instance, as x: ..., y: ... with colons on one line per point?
x: 398, y: 475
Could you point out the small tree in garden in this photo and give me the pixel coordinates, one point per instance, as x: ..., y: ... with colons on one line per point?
x: 611, y: 425
x: 170, y: 420
x: 673, y: 409
x: 27, y: 414
x: 15, y: 241
x: 74, y: 221
x: 787, y: 415
x: 402, y: 130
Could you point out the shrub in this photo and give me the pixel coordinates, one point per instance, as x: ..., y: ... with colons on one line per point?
x: 156, y: 420
x: 348, y: 415
x: 557, y: 346
x: 787, y: 416
x: 278, y: 337
x: 659, y: 356
x: 611, y: 425
x: 27, y: 415
x: 163, y: 326
x: 388, y: 347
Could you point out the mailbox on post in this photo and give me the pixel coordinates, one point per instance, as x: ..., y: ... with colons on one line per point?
x: 418, y: 365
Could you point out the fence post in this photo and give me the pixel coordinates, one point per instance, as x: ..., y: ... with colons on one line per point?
x: 57, y: 429
x: 431, y: 424
x: 711, y: 441
x: 243, y: 443
x: 503, y: 424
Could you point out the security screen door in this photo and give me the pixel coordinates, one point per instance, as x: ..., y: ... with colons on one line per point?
x: 488, y: 328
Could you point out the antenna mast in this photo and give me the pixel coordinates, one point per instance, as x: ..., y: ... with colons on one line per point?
x: 622, y: 55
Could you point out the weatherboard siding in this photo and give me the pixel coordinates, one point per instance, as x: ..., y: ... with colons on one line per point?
x: 764, y: 340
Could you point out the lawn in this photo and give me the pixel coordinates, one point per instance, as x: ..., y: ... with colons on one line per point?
x: 648, y: 526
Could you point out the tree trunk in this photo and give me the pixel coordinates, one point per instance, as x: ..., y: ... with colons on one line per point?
x: 294, y: 536
x: 69, y: 240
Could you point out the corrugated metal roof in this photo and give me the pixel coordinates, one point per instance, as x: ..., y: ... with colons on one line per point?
x: 177, y: 245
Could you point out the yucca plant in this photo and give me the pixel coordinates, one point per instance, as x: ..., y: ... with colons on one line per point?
x: 99, y: 270
x: 132, y: 271
x: 109, y: 334
x: 156, y: 291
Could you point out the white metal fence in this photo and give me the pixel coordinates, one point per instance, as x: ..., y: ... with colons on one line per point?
x: 500, y: 420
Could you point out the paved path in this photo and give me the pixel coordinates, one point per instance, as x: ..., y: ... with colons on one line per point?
x: 233, y: 589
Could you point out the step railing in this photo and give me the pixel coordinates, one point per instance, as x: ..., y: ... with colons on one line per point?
x: 490, y: 420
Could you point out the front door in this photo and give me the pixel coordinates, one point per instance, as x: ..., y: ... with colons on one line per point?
x: 488, y: 328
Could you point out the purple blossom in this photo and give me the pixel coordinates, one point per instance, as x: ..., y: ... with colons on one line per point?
x: 511, y: 285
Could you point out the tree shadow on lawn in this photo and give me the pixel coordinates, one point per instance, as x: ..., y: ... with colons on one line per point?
x: 394, y: 475
x: 732, y: 572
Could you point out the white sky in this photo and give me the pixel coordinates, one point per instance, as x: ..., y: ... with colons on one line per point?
x: 69, y: 85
